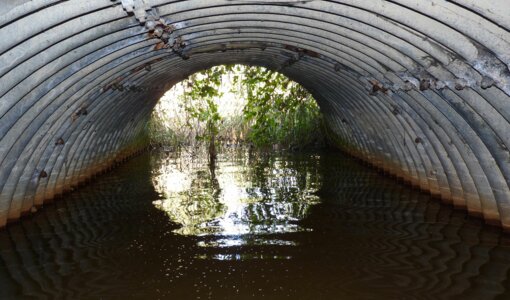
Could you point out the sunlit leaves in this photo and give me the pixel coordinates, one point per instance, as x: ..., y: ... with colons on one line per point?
x: 276, y: 110
x: 202, y: 89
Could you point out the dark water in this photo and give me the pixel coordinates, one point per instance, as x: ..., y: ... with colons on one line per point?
x: 300, y: 226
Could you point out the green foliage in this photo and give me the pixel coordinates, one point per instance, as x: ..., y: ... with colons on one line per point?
x: 279, y: 110
x: 276, y: 109
x: 159, y: 134
x: 199, y: 102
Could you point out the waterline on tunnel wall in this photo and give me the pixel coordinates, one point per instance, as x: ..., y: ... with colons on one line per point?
x: 232, y: 198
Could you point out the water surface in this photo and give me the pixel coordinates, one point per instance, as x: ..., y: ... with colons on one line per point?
x: 254, y: 226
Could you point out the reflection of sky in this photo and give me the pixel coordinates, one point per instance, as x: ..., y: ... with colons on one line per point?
x: 236, y: 201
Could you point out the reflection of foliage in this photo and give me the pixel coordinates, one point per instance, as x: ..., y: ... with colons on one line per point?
x: 193, y: 206
x: 276, y: 111
x: 262, y: 195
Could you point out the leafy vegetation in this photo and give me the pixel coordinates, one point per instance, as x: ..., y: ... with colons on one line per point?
x: 206, y: 110
x: 278, y: 110
x: 275, y: 110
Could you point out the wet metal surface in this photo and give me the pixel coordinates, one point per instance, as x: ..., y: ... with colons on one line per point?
x: 300, y: 226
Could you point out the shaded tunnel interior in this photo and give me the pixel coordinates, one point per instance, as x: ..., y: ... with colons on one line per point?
x: 420, y: 89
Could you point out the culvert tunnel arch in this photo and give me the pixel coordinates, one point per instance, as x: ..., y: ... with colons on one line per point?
x: 418, y: 88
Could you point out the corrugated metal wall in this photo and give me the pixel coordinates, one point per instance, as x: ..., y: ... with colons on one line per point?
x: 419, y: 88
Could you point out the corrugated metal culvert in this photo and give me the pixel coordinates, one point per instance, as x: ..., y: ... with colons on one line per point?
x: 417, y: 88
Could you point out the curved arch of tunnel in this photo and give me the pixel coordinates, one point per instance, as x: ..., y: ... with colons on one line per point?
x: 418, y: 89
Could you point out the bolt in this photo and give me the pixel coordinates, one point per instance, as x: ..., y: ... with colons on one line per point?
x: 158, y: 31
x: 460, y: 84
x: 81, y: 111
x: 150, y: 25
x: 407, y: 86
x: 487, y: 82
x: 424, y: 84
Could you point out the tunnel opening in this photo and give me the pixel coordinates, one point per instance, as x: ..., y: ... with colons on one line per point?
x: 237, y: 105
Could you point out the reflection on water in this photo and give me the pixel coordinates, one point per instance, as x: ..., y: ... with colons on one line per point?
x: 242, y: 194
x: 279, y: 226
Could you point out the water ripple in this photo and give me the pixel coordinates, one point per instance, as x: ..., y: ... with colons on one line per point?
x: 302, y: 226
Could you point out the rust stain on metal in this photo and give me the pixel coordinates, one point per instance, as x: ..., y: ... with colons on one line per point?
x: 302, y: 51
x: 137, y: 69
x: 80, y: 112
x: 113, y: 84
x: 160, y: 29
x: 377, y: 87
x: 159, y: 46
x: 43, y: 174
